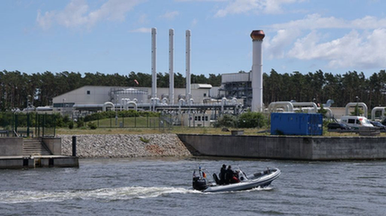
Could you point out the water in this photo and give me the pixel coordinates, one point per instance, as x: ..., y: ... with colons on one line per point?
x: 163, y: 187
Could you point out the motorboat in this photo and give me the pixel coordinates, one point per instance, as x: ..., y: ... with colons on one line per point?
x: 241, y: 180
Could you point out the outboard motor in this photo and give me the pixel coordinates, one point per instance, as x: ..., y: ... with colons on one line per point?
x: 199, y: 181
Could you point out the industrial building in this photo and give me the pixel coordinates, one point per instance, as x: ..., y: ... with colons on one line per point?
x: 99, y: 98
x: 203, y: 102
x: 237, y: 92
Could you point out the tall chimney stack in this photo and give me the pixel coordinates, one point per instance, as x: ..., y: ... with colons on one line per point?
x: 153, y: 63
x: 171, y: 70
x: 257, y: 70
x: 188, y: 82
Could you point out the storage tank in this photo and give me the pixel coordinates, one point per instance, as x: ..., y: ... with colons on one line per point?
x: 131, y: 93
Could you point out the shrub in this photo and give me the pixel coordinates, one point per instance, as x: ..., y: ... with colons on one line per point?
x: 252, y: 120
x: 92, y: 125
x: 226, y: 121
x: 80, y: 123
x: 71, y: 125
x: 144, y: 140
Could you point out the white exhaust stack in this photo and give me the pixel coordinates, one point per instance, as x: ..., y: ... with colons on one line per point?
x: 257, y: 71
x: 153, y: 63
x: 188, y: 88
x: 171, y: 70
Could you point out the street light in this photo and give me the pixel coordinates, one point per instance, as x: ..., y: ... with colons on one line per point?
x: 116, y: 114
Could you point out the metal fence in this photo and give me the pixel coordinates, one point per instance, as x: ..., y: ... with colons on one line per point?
x: 145, y: 121
x: 27, y: 124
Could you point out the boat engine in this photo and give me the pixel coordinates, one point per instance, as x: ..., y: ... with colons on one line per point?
x: 199, y: 181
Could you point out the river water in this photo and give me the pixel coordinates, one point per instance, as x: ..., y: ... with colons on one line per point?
x: 151, y: 186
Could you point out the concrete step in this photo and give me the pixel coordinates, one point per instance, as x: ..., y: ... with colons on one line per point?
x: 34, y: 147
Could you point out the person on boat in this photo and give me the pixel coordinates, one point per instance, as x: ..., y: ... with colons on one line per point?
x: 230, y: 176
x: 222, y: 174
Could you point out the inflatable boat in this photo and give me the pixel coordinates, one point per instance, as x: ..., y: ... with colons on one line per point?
x: 240, y: 181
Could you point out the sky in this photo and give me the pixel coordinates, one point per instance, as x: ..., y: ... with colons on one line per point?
x: 114, y: 36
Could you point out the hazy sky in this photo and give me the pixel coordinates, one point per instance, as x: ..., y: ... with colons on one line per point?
x: 113, y: 36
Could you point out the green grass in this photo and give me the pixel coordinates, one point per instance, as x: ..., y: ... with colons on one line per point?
x: 184, y: 130
x: 175, y: 130
x: 131, y: 122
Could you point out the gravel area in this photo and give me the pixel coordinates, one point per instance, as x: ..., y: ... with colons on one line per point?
x: 124, y: 145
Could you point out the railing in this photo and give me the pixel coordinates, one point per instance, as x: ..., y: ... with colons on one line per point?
x: 30, y: 124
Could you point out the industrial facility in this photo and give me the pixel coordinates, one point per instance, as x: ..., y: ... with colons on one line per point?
x: 237, y: 92
x: 200, y: 101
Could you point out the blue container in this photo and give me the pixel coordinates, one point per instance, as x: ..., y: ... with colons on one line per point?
x: 296, y: 124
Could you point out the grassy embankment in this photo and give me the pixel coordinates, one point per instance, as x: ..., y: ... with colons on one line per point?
x: 175, y: 130
x: 144, y: 125
x: 180, y: 130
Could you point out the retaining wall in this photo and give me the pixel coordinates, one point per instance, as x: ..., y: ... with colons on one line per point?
x: 11, y: 146
x: 287, y: 147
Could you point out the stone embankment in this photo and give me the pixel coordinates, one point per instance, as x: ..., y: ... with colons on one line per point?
x: 124, y: 145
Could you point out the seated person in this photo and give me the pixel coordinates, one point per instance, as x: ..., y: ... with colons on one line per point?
x: 222, y: 174
x: 231, y: 176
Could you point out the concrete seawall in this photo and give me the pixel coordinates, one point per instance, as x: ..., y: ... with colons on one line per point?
x: 287, y: 147
x: 124, y: 145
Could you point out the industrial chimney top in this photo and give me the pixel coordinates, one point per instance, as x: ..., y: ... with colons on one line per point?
x: 257, y: 35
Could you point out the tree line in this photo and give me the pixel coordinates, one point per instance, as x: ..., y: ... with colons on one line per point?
x: 19, y: 90
x: 319, y: 87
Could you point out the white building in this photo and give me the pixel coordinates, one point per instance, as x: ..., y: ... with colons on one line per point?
x: 93, y: 98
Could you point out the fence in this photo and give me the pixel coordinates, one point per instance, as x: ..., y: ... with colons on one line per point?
x: 27, y: 124
x: 144, y: 121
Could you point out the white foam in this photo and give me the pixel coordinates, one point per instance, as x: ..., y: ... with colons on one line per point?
x: 123, y: 193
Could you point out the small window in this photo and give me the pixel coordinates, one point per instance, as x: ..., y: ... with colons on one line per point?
x: 351, y: 121
x: 204, y: 94
x: 88, y: 92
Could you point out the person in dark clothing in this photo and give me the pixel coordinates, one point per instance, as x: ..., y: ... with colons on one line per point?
x: 230, y: 176
x: 222, y: 174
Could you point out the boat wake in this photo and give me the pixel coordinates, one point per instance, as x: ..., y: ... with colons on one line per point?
x: 103, y: 194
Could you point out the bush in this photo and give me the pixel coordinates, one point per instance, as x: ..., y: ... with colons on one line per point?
x: 71, y: 125
x: 226, y: 121
x: 252, y: 120
x: 80, y: 123
x: 92, y: 125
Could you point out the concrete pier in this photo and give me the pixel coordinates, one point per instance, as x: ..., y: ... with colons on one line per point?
x: 287, y: 147
x: 20, y: 162
x: 19, y: 153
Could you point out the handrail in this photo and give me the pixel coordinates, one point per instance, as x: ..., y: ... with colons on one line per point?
x: 15, y: 133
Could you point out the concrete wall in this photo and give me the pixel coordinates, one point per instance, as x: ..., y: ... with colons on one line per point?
x: 11, y: 146
x: 287, y: 147
x: 59, y: 162
x: 54, y: 145
x: 19, y: 162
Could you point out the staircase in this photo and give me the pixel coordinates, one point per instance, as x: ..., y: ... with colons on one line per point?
x: 35, y: 147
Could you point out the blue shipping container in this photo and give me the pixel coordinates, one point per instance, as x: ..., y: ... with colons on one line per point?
x: 296, y: 124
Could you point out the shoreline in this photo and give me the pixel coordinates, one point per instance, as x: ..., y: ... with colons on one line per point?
x: 124, y: 145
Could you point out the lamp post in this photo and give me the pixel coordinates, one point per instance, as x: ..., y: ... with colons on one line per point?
x: 116, y: 113
x: 28, y: 117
